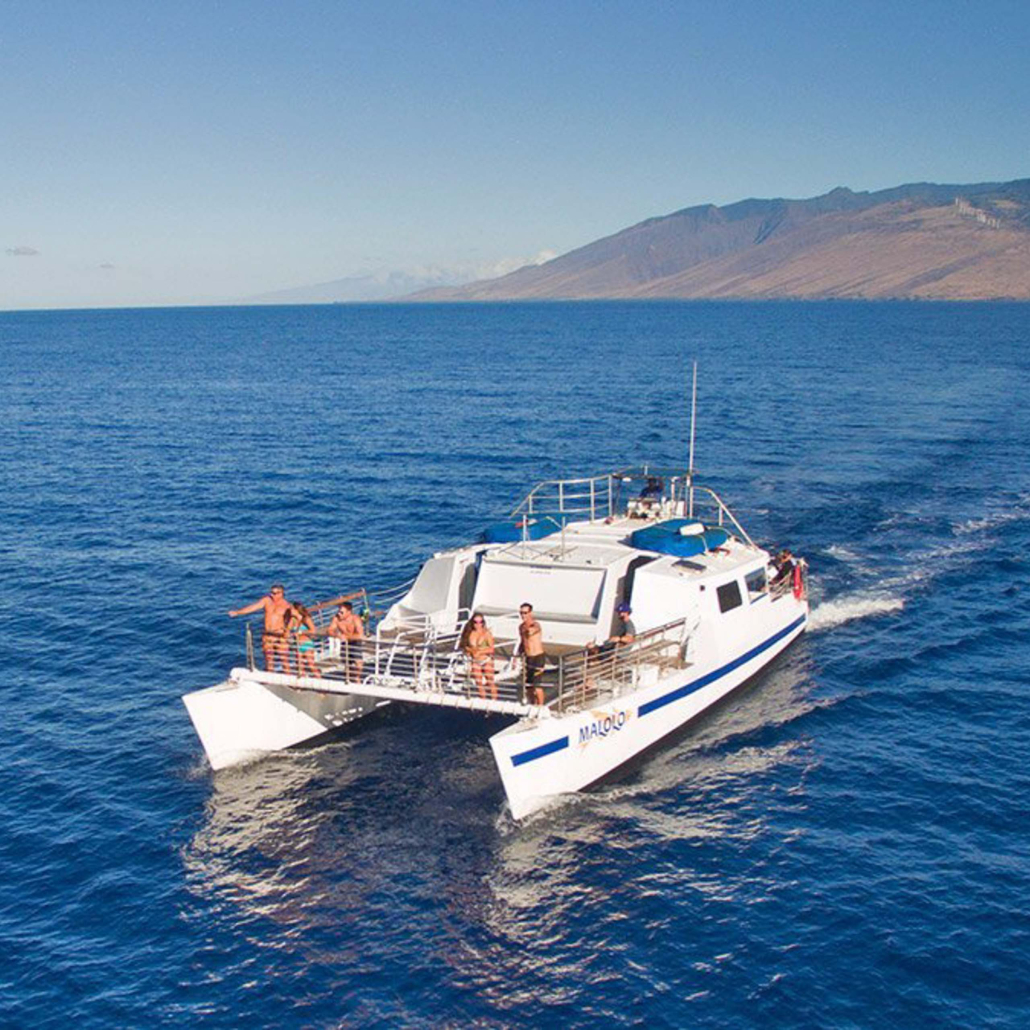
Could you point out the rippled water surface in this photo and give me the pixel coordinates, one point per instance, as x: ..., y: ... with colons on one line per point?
x: 844, y: 844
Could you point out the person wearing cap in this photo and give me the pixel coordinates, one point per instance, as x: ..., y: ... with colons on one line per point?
x: 629, y: 631
x: 626, y: 635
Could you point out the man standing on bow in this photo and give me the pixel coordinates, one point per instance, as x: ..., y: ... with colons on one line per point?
x: 348, y: 627
x: 273, y: 636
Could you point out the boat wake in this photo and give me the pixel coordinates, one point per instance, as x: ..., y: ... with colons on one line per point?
x: 996, y: 519
x: 850, y: 607
x: 885, y: 594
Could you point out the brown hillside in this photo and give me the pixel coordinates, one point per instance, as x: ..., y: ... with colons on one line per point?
x: 888, y: 251
x: 927, y: 241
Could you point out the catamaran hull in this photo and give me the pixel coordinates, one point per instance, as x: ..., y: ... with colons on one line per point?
x: 541, y: 759
x: 240, y: 720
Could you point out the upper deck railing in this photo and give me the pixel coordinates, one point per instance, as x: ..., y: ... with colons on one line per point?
x: 639, y: 491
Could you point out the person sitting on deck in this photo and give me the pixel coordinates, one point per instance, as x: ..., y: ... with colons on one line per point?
x: 348, y: 627
x: 273, y: 637
x: 626, y: 634
x: 601, y: 657
x: 653, y: 490
x: 478, y: 643
x: 531, y: 647
x: 301, y: 630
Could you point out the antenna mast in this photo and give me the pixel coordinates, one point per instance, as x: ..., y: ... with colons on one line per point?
x: 690, y: 465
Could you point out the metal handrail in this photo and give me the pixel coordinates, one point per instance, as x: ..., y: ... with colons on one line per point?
x: 436, y: 664
x: 724, y: 512
x: 375, y: 603
x: 587, y: 496
x: 569, y: 499
x: 587, y: 676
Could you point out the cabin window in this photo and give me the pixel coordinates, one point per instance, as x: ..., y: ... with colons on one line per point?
x: 729, y: 596
x: 756, y: 584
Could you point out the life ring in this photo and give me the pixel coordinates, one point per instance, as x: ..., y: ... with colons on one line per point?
x: 799, y: 582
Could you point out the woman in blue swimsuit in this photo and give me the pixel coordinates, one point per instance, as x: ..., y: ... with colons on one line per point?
x: 301, y: 630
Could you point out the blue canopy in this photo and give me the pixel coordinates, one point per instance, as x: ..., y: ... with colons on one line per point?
x: 511, y: 530
x: 665, y: 538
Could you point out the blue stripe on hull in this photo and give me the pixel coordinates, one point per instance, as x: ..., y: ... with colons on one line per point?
x: 667, y: 699
x: 703, y: 681
x: 538, y: 752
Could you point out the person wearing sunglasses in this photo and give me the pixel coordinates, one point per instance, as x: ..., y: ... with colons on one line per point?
x: 350, y: 630
x: 273, y: 637
x: 531, y: 646
x: 478, y: 643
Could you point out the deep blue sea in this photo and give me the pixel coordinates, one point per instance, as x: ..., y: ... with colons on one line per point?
x: 844, y: 844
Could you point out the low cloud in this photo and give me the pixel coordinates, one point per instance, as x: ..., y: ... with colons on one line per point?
x: 22, y: 251
x: 506, y: 265
x: 456, y: 275
x: 372, y: 284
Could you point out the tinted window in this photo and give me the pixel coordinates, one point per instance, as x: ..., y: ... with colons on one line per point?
x: 755, y: 582
x: 729, y: 596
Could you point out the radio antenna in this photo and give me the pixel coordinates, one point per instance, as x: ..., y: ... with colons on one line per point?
x: 690, y: 465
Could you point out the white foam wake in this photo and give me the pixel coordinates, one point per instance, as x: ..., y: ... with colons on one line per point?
x: 988, y: 522
x: 855, y: 606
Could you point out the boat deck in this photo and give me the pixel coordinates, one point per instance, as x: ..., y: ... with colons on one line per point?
x: 434, y: 672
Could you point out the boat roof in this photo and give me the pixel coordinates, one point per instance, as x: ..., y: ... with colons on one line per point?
x: 735, y: 556
x: 552, y: 551
x: 605, y: 542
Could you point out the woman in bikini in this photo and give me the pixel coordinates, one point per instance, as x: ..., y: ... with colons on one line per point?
x: 478, y: 643
x: 301, y: 631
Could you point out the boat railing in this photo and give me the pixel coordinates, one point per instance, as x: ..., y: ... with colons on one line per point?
x: 594, y: 497
x: 643, y: 492
x: 419, y: 625
x: 434, y: 662
x: 369, y: 605
x: 589, y: 676
x: 784, y: 584
x: 705, y: 505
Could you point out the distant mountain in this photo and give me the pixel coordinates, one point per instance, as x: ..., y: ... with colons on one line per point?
x: 923, y: 240
x: 382, y: 285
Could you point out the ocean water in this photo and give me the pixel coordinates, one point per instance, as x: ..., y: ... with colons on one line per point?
x: 844, y: 844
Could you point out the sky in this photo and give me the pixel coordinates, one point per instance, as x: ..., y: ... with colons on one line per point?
x: 204, y: 152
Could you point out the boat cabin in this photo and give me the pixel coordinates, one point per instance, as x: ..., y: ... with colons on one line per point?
x: 575, y: 570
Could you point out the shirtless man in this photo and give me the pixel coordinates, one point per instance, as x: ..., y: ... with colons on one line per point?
x: 273, y: 638
x: 349, y: 628
x: 531, y: 646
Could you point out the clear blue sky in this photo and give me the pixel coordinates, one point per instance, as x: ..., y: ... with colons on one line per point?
x: 192, y: 152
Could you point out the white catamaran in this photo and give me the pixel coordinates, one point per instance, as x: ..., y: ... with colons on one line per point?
x: 710, y: 609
